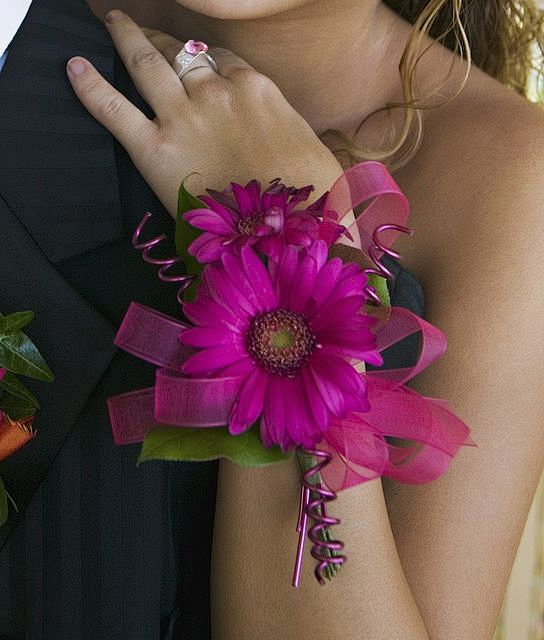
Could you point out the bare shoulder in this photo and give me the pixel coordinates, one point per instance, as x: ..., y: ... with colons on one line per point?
x: 481, y: 164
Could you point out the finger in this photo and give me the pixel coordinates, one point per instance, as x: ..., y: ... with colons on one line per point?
x: 154, y: 78
x: 164, y: 42
x: 110, y: 107
x: 228, y: 63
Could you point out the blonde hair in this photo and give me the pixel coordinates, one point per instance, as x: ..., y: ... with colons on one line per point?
x: 502, y: 37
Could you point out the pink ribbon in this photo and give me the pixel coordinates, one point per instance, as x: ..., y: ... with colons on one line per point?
x: 358, y: 443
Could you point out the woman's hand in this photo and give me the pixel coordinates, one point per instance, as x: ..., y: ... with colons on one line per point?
x: 231, y: 125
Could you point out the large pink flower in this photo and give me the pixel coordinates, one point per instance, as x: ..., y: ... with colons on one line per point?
x: 242, y: 215
x: 293, y: 330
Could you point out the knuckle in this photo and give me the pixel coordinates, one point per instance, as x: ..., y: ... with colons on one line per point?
x: 109, y: 106
x: 255, y: 83
x: 145, y: 58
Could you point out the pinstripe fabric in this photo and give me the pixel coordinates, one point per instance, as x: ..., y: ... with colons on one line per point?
x: 102, y: 550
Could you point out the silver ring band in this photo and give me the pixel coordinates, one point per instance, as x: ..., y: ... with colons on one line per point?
x: 185, y: 62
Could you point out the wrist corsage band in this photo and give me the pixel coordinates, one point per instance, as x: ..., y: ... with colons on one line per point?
x: 270, y: 362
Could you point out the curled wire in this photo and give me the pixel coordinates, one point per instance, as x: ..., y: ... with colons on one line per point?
x: 316, y: 510
x: 375, y: 251
x: 165, y: 263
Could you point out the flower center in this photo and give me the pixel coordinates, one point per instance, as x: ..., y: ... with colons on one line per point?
x: 280, y: 341
x: 246, y: 224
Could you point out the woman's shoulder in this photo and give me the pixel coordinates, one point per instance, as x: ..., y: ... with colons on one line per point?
x: 480, y: 165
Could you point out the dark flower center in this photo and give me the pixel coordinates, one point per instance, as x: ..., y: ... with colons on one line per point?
x: 280, y: 341
x: 247, y: 224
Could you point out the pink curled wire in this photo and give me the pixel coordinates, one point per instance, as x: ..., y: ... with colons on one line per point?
x: 316, y: 510
x: 165, y: 263
x: 379, y: 247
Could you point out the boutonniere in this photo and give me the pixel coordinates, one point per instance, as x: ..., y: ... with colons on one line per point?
x: 269, y: 363
x: 19, y: 356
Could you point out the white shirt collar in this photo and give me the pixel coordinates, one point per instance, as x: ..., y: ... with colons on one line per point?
x: 12, y: 13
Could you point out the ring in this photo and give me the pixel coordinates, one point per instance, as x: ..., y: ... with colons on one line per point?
x: 192, y: 56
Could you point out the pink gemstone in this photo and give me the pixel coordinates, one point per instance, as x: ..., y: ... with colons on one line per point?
x: 195, y: 46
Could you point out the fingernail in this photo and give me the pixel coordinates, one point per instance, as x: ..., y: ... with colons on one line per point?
x: 76, y: 66
x: 114, y: 15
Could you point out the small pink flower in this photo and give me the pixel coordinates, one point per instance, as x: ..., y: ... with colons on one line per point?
x: 242, y: 215
x: 291, y: 330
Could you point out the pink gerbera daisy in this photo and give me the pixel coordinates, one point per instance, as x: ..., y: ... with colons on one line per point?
x: 293, y: 332
x: 242, y: 215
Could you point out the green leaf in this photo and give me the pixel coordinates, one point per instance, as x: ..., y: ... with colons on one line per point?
x: 186, y: 233
x: 20, y: 355
x: 17, y: 408
x: 380, y: 285
x: 3, y: 504
x: 15, y: 321
x: 12, y: 385
x: 197, y: 444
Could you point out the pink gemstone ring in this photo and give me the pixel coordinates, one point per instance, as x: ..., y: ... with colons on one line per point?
x: 193, y: 55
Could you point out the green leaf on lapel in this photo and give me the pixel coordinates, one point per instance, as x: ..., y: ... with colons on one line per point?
x: 17, y: 408
x: 380, y: 285
x: 198, y: 444
x: 15, y: 321
x: 12, y: 385
x: 20, y: 355
x: 186, y: 234
x: 3, y: 503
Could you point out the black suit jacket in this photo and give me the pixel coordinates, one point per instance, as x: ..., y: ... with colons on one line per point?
x: 99, y: 549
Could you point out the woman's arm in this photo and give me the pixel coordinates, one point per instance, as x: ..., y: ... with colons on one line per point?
x: 253, y: 555
x: 482, y: 275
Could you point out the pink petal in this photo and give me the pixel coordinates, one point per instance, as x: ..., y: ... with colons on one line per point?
x: 347, y: 379
x: 305, y: 282
x: 209, y: 361
x: 315, y: 400
x: 206, y: 312
x: 249, y: 404
x: 240, y: 368
x: 228, y: 215
x: 244, y: 200
x: 336, y: 312
x: 207, y: 247
x: 320, y: 252
x: 258, y: 277
x: 285, y: 274
x: 299, y: 425
x: 223, y: 291
x: 209, y: 220
x: 270, y: 246
x: 273, y: 420
x: 234, y: 268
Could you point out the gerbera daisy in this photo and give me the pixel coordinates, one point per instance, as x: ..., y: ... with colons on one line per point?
x: 294, y: 333
x: 242, y: 215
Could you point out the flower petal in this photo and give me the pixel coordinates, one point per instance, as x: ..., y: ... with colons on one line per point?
x: 207, y: 247
x: 258, y: 277
x: 224, y: 210
x: 234, y: 268
x: 209, y: 220
x: 210, y: 361
x: 206, y: 312
x: 244, y: 199
x: 305, y: 282
x: 273, y: 420
x: 249, y: 404
x: 336, y: 312
x: 285, y: 274
x: 225, y: 293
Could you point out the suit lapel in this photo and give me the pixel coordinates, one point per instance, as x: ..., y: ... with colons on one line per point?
x: 57, y: 164
x: 59, y: 199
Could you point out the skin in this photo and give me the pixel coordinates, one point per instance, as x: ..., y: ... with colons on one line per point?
x: 429, y: 561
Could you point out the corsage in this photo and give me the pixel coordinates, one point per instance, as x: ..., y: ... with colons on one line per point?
x: 269, y: 362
